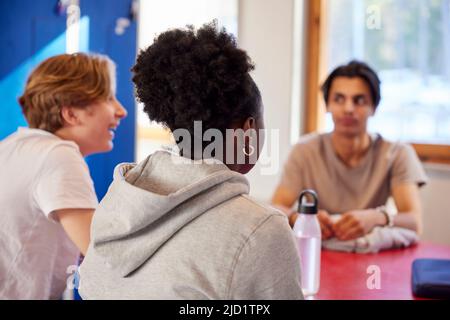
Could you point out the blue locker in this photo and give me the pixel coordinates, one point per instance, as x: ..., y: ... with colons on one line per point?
x: 33, y: 30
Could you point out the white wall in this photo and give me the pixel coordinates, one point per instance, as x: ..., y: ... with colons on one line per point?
x: 266, y: 31
x: 436, y: 204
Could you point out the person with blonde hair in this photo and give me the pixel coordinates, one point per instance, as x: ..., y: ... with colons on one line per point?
x: 47, y: 197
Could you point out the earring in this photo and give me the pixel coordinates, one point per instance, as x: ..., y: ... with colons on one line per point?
x: 250, y: 152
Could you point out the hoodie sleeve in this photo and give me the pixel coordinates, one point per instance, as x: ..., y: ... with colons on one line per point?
x: 267, y: 266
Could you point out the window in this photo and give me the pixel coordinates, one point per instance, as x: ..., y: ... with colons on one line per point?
x: 408, y: 43
x: 157, y: 16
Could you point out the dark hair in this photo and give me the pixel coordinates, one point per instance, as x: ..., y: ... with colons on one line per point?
x: 355, y: 69
x: 190, y: 75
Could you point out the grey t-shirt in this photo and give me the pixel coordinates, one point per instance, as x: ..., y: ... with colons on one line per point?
x: 313, y: 164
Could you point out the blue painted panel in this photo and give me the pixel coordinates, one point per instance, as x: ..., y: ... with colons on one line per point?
x: 103, y: 15
x: 31, y: 32
x: 12, y: 84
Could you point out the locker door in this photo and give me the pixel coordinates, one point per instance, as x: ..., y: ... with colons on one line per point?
x: 33, y: 31
x: 106, y: 36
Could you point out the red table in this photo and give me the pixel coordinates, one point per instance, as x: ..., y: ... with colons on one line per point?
x: 345, y: 276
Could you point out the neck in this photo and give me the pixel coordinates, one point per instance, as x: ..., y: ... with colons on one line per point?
x: 350, y: 149
x: 66, y: 134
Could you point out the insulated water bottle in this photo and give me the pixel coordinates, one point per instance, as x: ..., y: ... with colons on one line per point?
x: 308, y: 235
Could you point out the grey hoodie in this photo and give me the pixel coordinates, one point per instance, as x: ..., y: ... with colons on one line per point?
x: 169, y: 228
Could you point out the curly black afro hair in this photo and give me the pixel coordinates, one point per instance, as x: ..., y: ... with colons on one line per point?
x: 190, y: 75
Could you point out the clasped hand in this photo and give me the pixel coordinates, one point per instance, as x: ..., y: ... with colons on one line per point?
x: 352, y: 224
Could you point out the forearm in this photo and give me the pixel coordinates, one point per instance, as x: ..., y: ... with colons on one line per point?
x: 408, y: 220
x: 378, y: 218
x: 407, y: 201
x: 76, y: 223
x: 283, y: 199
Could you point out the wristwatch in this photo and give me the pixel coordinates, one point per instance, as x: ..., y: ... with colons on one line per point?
x: 389, y: 216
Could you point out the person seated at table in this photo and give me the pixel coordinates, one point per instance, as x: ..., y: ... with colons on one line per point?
x: 47, y: 196
x: 181, y: 225
x: 353, y: 171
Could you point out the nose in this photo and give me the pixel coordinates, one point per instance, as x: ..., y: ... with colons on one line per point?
x: 349, y: 107
x: 121, y: 112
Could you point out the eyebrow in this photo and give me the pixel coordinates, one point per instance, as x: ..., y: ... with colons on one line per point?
x: 359, y: 95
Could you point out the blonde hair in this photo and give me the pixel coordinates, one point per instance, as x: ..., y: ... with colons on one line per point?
x: 74, y: 80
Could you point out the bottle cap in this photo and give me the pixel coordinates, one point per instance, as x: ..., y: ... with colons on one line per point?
x: 308, y: 207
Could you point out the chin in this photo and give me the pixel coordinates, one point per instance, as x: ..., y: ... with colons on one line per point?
x: 349, y: 132
x: 109, y: 147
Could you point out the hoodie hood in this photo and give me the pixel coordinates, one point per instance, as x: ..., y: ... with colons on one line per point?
x: 148, y: 203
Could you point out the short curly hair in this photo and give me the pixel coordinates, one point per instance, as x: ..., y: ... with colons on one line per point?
x: 189, y: 75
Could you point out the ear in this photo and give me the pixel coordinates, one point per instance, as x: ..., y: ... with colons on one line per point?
x: 250, y: 123
x: 70, y: 115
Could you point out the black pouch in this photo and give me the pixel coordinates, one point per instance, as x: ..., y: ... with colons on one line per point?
x: 431, y: 278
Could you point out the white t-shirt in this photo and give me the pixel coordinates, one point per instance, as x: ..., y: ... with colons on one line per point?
x: 39, y: 173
